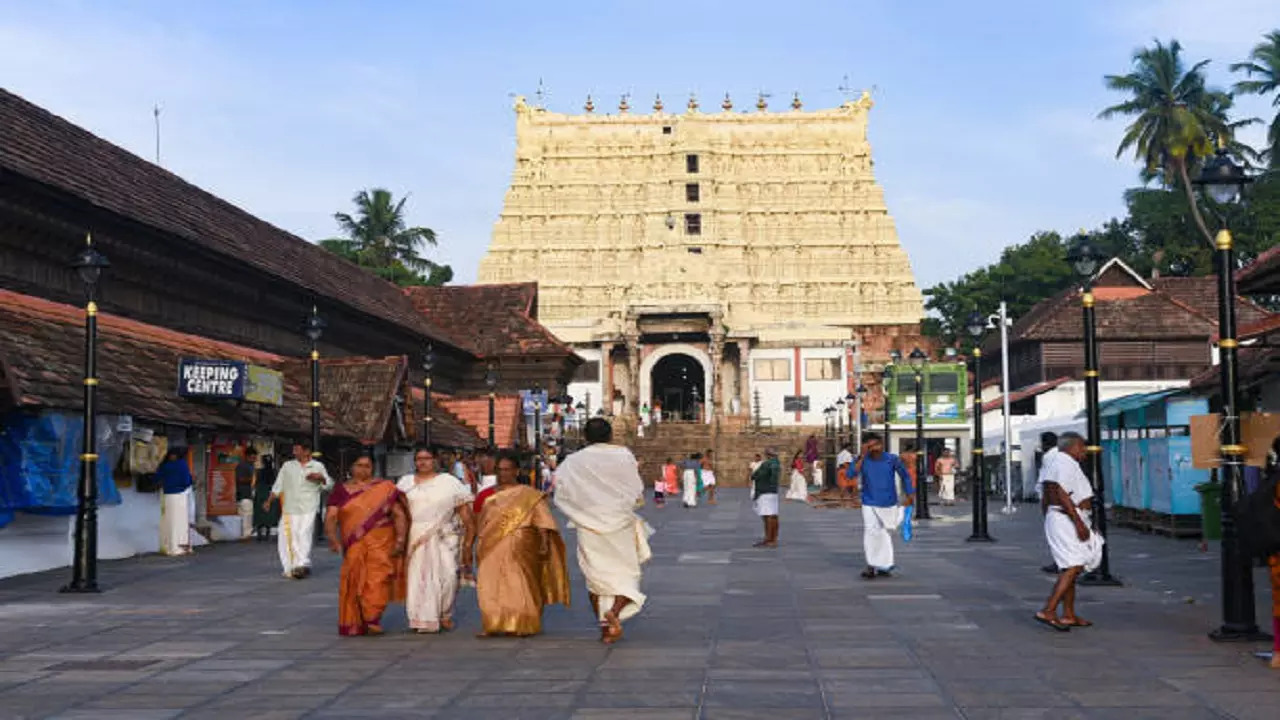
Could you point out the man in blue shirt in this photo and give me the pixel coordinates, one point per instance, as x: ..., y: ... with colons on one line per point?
x: 878, y: 473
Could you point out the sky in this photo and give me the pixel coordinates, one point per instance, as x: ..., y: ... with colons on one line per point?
x: 983, y: 130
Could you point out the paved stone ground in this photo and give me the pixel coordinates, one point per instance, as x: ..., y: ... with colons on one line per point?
x: 730, y: 633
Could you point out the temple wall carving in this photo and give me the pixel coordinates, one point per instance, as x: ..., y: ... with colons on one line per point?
x: 781, y: 220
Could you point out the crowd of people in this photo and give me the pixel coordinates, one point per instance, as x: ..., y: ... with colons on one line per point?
x: 485, y: 519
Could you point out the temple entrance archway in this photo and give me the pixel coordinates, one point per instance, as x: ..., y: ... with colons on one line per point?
x: 678, y: 376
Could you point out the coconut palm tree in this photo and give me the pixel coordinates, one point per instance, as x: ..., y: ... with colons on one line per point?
x: 1263, y: 73
x: 1176, y: 117
x: 378, y: 234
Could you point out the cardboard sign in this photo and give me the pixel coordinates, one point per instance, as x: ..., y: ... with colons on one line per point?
x: 1257, y: 432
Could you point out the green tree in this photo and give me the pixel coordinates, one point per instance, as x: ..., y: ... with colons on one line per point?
x: 1175, y: 115
x: 379, y: 239
x: 1263, y: 73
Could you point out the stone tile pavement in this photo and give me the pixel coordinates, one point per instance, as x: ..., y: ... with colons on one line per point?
x: 730, y: 633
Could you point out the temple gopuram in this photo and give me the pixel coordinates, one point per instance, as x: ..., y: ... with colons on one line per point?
x: 717, y: 264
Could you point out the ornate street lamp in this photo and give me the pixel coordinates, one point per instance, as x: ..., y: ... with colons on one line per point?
x: 977, y: 325
x: 88, y: 264
x: 917, y: 359
x: 314, y: 328
x: 1224, y: 182
x: 428, y: 365
x: 1085, y: 260
x: 491, y: 382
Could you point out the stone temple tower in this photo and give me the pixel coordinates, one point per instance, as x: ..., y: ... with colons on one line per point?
x: 706, y: 262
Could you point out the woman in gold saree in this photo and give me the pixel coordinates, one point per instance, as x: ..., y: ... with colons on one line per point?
x: 366, y: 521
x: 521, y: 556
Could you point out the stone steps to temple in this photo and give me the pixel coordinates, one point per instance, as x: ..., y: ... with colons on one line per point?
x: 735, y: 445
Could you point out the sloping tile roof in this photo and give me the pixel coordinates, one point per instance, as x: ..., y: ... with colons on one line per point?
x: 1261, y: 274
x: 54, y: 152
x: 42, y: 345
x: 1259, y: 328
x: 359, y: 392
x: 1253, y: 365
x: 474, y: 413
x: 1178, y: 308
x: 1201, y: 293
x: 498, y: 319
x: 447, y: 430
x: 1024, y: 393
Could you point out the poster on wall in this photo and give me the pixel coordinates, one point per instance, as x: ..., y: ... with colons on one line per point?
x: 224, y: 454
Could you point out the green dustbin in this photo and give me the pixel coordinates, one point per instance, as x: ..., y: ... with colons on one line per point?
x: 1210, y: 510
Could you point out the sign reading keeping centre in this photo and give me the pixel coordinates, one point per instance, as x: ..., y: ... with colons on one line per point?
x: 224, y: 379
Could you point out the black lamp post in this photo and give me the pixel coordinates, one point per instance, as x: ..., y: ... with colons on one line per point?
x: 895, y: 357
x: 1085, y: 259
x: 88, y: 264
x: 859, y: 400
x: 491, y: 382
x: 918, y: 358
x: 537, y: 436
x: 314, y: 329
x: 840, y: 413
x: 976, y: 326
x: 1224, y: 182
x: 428, y: 365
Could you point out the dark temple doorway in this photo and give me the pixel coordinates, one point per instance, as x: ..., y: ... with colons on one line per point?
x: 678, y: 383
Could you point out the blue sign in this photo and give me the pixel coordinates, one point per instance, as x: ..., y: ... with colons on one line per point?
x: 221, y: 379
x: 531, y: 400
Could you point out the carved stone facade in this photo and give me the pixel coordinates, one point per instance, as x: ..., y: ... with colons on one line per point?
x: 768, y: 226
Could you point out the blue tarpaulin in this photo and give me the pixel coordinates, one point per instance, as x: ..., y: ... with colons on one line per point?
x: 40, y: 463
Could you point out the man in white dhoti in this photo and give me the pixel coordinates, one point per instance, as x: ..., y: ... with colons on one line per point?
x: 689, y: 480
x: 879, y: 473
x: 596, y: 489
x: 1049, y: 454
x: 299, y: 482
x: 1067, y: 496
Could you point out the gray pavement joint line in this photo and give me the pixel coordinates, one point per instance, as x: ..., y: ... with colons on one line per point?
x: 403, y: 655
x: 808, y: 651
x: 700, y: 711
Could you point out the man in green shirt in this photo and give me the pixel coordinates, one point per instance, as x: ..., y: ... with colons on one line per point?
x: 764, y: 494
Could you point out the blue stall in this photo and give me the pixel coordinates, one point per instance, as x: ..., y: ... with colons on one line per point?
x: 1146, y: 445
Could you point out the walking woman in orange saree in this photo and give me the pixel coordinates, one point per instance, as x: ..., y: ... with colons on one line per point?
x: 366, y: 521
x: 521, y: 556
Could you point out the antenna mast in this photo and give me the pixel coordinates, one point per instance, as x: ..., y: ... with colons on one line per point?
x: 156, y: 111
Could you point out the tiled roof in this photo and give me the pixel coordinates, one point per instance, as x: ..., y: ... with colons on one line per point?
x: 498, y: 319
x: 1177, y: 308
x: 1201, y: 293
x: 42, y: 345
x: 474, y: 413
x: 446, y: 429
x: 1259, y: 273
x: 1259, y: 328
x: 359, y: 392
x: 1253, y: 365
x: 1024, y: 393
x: 54, y: 152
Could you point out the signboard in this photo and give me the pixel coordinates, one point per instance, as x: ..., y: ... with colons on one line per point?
x: 530, y: 401
x: 221, y: 379
x: 904, y: 411
x: 795, y: 403
x: 264, y: 385
x: 944, y: 411
x: 224, y: 455
x: 1256, y: 431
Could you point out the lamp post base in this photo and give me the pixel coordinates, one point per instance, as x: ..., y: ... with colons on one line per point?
x: 1238, y: 633
x: 980, y: 539
x: 80, y: 588
x: 1096, y: 579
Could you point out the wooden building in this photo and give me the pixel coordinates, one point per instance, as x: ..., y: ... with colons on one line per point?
x: 1147, y: 329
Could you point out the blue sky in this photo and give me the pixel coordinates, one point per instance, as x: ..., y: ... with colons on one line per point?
x: 983, y: 129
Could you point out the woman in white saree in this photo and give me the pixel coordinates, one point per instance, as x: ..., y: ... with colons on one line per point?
x: 441, y: 522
